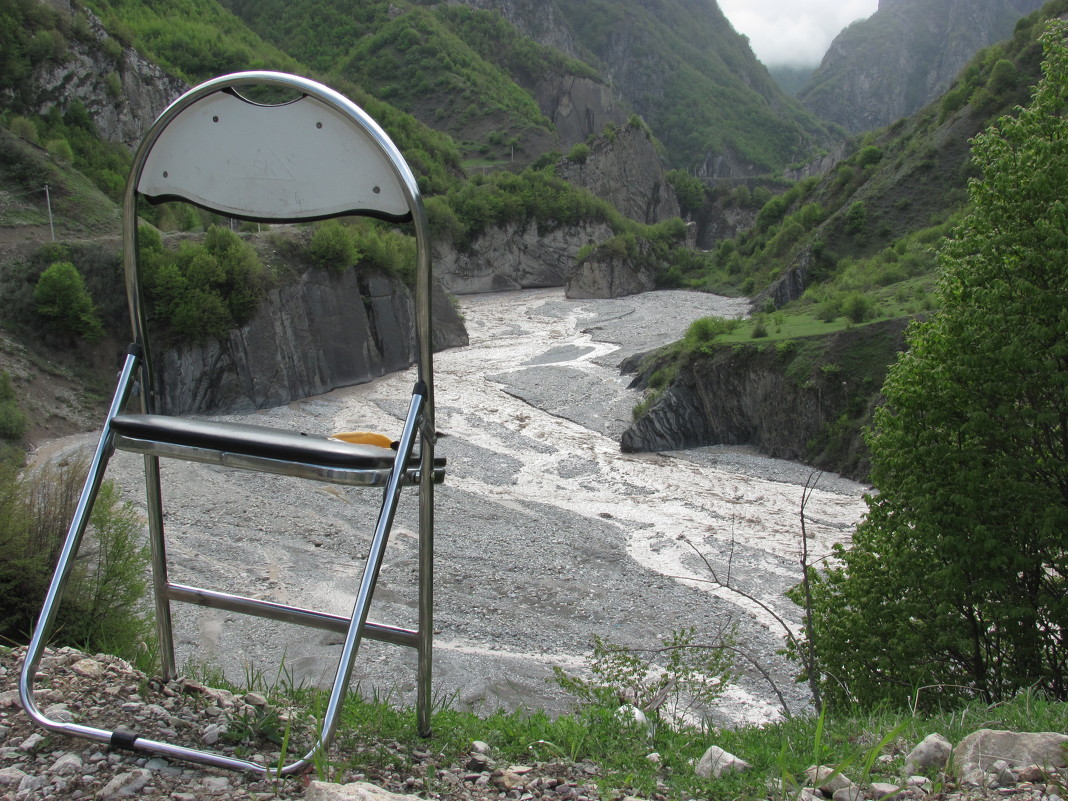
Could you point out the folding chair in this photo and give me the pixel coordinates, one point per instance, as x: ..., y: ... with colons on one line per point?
x: 311, y: 158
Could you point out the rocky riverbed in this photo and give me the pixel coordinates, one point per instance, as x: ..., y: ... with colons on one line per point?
x: 546, y: 534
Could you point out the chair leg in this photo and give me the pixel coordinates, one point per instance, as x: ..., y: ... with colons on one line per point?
x: 61, y: 574
x: 160, y: 581
x: 426, y: 589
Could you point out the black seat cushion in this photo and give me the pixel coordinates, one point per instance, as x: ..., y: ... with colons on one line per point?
x: 251, y: 440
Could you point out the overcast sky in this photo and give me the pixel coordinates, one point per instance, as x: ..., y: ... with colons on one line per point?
x: 795, y: 32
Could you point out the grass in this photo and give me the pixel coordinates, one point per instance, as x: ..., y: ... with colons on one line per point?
x: 377, y: 740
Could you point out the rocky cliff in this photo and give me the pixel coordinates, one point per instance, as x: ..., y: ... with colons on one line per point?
x: 805, y: 399
x: 904, y: 56
x: 516, y: 256
x: 623, y: 167
x: 122, y: 92
x: 578, y: 106
x: 322, y: 331
x: 607, y: 274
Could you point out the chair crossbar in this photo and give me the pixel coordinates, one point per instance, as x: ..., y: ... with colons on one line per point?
x: 339, y: 624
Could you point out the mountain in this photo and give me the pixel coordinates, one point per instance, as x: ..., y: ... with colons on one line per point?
x: 537, y: 76
x: 904, y: 56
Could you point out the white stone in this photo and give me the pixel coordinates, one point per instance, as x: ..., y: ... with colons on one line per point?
x: 10, y: 777
x: 827, y: 778
x: 930, y: 755
x: 851, y: 793
x: 356, y: 791
x: 67, y: 764
x: 978, y: 752
x: 125, y: 784
x: 716, y: 762
x: 31, y: 742
x: 884, y: 790
x: 89, y: 668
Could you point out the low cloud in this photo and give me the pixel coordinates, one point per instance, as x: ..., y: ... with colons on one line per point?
x: 793, y: 32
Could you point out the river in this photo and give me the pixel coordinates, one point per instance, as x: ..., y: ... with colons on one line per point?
x: 546, y: 534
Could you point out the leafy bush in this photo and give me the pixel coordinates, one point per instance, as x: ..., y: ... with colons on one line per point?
x: 956, y: 580
x: 12, y: 418
x: 579, y: 153
x: 61, y: 296
x: 332, y: 245
x: 856, y: 218
x: 388, y: 248
x: 869, y: 156
x: 688, y: 675
x: 101, y: 609
x: 858, y: 307
x: 204, y: 289
x: 704, y: 330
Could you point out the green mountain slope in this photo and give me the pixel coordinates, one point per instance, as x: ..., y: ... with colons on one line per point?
x: 469, y: 72
x: 682, y: 66
x: 849, y: 224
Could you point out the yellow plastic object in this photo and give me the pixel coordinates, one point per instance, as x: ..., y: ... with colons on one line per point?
x: 364, y: 438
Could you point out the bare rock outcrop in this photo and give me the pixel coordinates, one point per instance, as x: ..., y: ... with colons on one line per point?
x: 610, y: 275
x: 780, y: 399
x: 515, y: 256
x: 301, y: 343
x: 905, y: 56
x: 623, y: 168
x: 121, y: 91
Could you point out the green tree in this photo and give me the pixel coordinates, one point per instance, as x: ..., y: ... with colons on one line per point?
x: 61, y: 296
x: 333, y: 245
x: 957, y: 579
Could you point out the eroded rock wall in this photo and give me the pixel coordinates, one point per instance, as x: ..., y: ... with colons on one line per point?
x: 515, y: 256
x: 323, y: 331
x: 806, y: 400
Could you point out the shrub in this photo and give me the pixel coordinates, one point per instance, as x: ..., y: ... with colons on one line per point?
x: 204, y: 289
x: 12, y: 418
x: 60, y: 150
x: 61, y: 296
x: 101, y: 609
x: 332, y: 246
x: 856, y: 218
x: 869, y: 156
x: 21, y: 126
x: 579, y: 153
x: 858, y: 307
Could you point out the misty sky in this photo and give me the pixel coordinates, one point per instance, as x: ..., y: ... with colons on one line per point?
x: 794, y: 32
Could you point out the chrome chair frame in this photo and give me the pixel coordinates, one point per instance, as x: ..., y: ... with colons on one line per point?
x: 264, y: 173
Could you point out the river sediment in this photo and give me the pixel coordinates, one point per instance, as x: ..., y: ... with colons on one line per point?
x: 546, y: 534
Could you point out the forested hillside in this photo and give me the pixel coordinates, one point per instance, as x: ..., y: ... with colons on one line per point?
x: 468, y: 70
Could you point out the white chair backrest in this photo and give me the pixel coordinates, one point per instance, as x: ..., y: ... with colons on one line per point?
x: 310, y: 158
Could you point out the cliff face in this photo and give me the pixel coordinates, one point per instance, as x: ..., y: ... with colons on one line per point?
x: 805, y: 401
x: 578, y: 107
x: 123, y: 94
x: 515, y: 257
x: 325, y: 330
x: 904, y: 56
x: 539, y: 20
x: 624, y: 169
x: 608, y: 275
